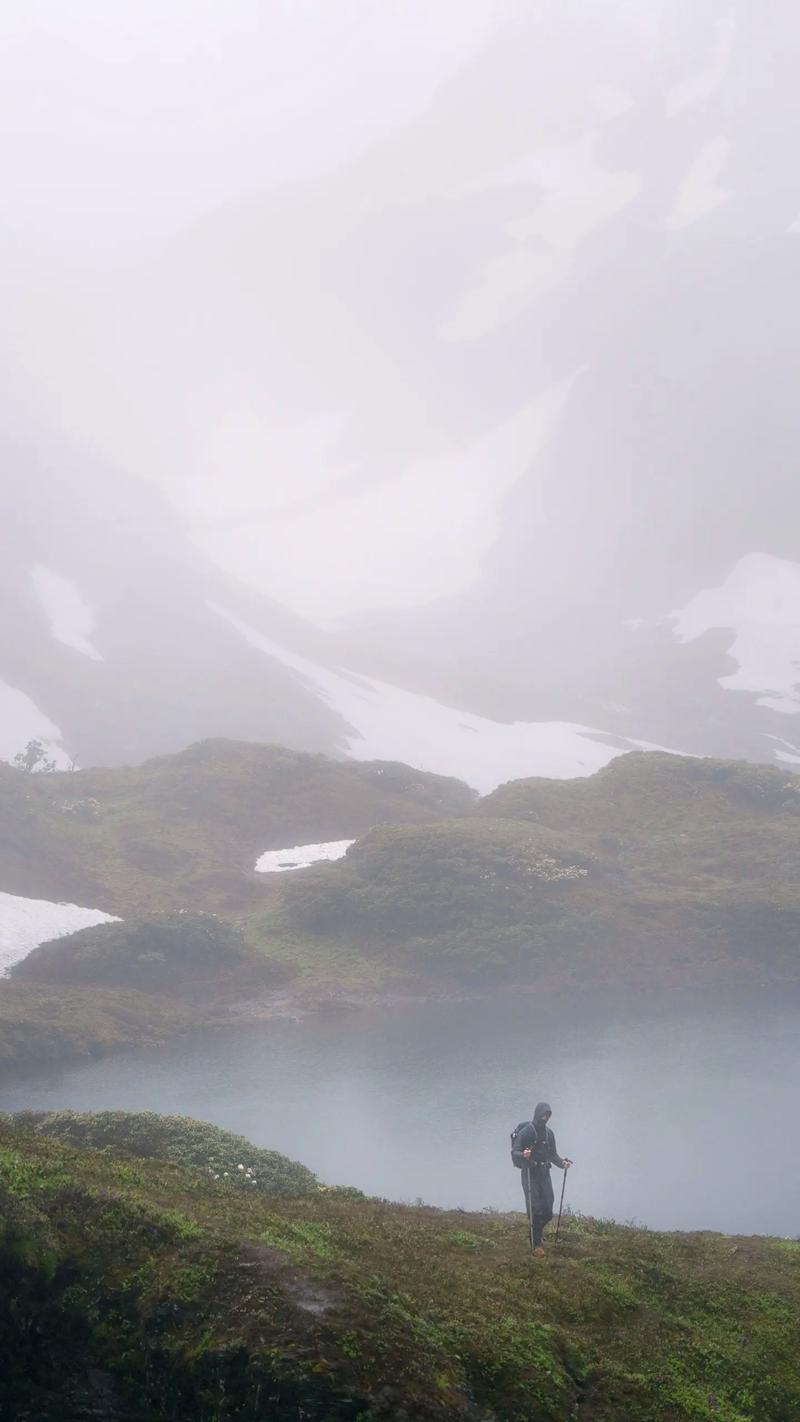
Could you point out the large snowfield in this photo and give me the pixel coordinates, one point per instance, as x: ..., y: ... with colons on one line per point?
x: 24, y: 923
x: 391, y: 724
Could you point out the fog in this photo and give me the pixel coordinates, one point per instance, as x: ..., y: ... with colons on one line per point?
x: 452, y: 346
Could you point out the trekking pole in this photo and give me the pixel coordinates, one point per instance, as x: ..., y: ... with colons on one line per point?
x: 561, y: 1206
x: 530, y: 1211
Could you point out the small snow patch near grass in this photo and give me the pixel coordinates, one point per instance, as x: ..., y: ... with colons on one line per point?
x: 279, y: 861
x: 25, y: 923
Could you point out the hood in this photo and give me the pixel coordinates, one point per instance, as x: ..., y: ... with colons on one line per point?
x: 541, y: 1108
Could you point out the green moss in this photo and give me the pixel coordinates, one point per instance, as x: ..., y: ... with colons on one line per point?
x: 169, y: 952
x: 41, y: 1024
x: 201, y: 1302
x: 186, y: 830
x: 657, y: 871
x: 221, y: 1155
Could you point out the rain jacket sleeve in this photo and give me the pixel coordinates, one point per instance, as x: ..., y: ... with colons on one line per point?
x: 555, y: 1158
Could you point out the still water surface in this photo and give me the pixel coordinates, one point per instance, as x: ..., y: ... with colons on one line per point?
x: 684, y: 1121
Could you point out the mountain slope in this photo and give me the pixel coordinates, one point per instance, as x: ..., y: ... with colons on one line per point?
x: 657, y: 872
x: 349, y: 1309
x: 106, y: 631
x: 554, y: 488
x: 186, y: 830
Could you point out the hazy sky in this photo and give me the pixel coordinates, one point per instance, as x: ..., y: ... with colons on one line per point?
x: 461, y: 331
x: 290, y: 261
x: 124, y: 118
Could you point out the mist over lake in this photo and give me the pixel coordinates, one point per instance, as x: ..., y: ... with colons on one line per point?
x: 677, y: 1119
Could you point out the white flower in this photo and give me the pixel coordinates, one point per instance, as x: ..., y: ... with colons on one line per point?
x: 240, y: 1167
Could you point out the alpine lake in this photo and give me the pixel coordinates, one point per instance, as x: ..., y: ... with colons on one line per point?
x: 676, y: 1118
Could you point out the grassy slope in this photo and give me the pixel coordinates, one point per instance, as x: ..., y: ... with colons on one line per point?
x: 126, y: 984
x: 42, y: 1024
x: 190, y: 955
x: 181, y: 1140
x: 201, y: 1302
x: 658, y: 870
x: 186, y: 830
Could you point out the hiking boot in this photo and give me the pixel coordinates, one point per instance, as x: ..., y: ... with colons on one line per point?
x: 539, y: 1250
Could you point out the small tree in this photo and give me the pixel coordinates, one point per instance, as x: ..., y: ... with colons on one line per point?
x: 34, y: 759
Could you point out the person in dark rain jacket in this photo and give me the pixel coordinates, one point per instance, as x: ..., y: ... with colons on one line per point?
x: 534, y: 1151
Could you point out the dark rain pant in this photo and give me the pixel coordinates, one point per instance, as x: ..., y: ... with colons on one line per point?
x: 539, y: 1204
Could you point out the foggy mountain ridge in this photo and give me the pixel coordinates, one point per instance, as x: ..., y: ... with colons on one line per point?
x: 108, y: 641
x: 122, y: 642
x: 499, y: 401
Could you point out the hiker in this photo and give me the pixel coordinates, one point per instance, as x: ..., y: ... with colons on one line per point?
x: 533, y: 1149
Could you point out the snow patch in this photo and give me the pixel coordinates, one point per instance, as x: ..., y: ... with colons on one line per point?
x: 71, y: 618
x: 573, y: 196
x: 22, y: 721
x: 280, y: 861
x: 422, y: 532
x: 760, y: 602
x: 701, y: 85
x: 699, y: 192
x: 388, y: 723
x: 25, y: 923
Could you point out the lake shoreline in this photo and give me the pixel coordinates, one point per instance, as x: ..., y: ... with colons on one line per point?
x: 410, y: 1100
x: 298, y: 1003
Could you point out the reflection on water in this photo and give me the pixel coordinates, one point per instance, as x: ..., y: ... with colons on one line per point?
x: 680, y: 1122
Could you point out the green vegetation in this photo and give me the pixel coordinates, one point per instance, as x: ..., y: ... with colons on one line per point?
x: 40, y: 1025
x: 149, y: 978
x: 140, y: 1288
x: 657, y: 872
x: 184, y: 831
x: 172, y: 952
x: 474, y: 898
x: 219, y: 1154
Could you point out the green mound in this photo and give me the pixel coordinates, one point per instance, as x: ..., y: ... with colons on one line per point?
x: 136, y: 1288
x: 659, y: 871
x: 173, y: 952
x: 187, y: 829
x: 219, y: 1154
x: 42, y: 1024
x: 652, y: 793
x: 475, y: 897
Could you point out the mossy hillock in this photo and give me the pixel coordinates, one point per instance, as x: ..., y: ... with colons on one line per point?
x: 219, y: 1154
x: 660, y: 871
x: 473, y: 897
x: 129, y: 984
x: 48, y: 1024
x: 180, y: 952
x: 185, y: 830
x: 180, y: 1297
x: 651, y: 793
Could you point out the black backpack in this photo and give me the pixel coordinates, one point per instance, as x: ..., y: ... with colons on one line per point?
x: 515, y: 1136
